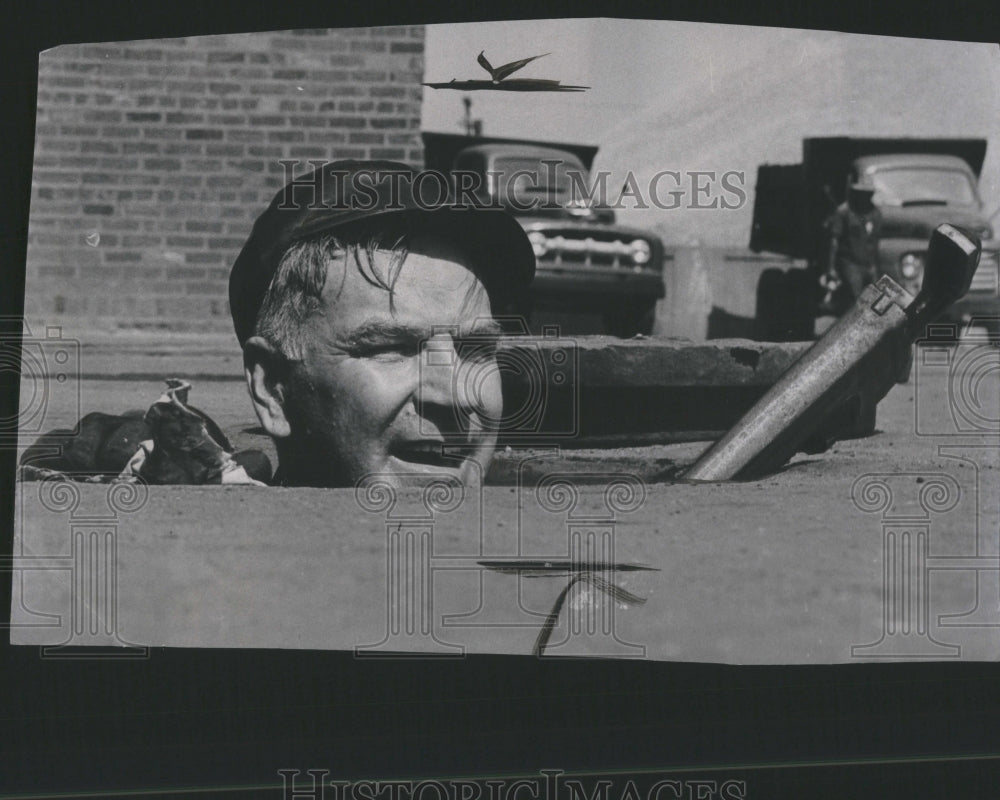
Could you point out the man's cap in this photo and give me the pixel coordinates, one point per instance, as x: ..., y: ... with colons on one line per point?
x: 342, y: 195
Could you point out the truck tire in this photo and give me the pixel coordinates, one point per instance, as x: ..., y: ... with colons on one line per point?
x: 786, y: 306
x: 804, y: 296
x: 770, y: 302
x: 628, y: 319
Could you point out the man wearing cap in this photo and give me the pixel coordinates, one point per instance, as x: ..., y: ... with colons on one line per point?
x: 365, y: 303
x: 854, y: 230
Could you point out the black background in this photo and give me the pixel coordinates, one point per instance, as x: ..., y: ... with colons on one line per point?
x: 202, y: 720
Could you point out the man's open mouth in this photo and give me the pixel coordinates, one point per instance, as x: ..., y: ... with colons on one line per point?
x: 427, y: 453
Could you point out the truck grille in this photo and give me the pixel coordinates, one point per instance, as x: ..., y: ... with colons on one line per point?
x: 566, y: 248
x: 985, y: 279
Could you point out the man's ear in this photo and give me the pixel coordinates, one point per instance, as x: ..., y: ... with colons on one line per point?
x: 266, y: 372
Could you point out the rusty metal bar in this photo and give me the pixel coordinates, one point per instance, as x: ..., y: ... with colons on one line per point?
x: 858, y: 360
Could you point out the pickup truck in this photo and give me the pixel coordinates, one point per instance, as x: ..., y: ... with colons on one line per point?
x: 585, y: 261
x: 918, y: 183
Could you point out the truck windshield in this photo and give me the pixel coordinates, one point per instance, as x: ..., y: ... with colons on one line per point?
x: 912, y: 186
x: 529, y: 180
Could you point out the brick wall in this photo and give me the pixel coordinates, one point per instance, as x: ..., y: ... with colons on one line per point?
x: 152, y: 159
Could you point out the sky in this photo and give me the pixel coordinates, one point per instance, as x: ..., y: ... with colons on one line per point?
x: 698, y: 96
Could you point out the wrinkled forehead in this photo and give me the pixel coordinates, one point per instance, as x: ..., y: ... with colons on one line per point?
x: 433, y: 282
x: 433, y: 260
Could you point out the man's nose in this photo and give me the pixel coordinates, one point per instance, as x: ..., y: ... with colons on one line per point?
x: 441, y: 376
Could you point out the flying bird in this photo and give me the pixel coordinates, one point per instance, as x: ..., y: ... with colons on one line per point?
x: 499, y: 73
x: 498, y: 79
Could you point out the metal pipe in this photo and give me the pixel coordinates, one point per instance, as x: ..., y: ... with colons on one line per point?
x: 858, y: 359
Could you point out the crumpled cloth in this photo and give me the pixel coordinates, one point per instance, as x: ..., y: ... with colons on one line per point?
x: 172, y: 443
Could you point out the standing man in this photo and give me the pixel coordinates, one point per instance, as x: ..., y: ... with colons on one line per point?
x: 854, y: 230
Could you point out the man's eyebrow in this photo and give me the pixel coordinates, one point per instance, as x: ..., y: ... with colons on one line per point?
x: 380, y: 331
x: 483, y: 328
x: 375, y: 331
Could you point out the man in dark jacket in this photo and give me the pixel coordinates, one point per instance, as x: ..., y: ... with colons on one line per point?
x: 854, y: 230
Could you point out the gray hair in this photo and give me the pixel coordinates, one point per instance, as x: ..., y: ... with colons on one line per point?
x: 296, y: 290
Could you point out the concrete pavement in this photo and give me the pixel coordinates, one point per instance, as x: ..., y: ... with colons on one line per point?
x: 889, y: 540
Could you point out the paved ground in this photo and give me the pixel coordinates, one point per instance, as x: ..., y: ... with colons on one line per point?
x: 891, y: 539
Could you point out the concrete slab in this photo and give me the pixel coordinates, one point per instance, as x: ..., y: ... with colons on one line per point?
x: 586, y: 391
x: 601, y: 360
x: 789, y: 569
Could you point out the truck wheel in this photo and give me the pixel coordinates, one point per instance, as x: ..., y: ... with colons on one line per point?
x: 804, y: 296
x: 771, y: 302
x: 786, y: 306
x: 628, y: 319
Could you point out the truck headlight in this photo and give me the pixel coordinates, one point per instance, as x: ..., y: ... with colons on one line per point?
x: 911, y: 266
x: 539, y: 243
x: 641, y: 251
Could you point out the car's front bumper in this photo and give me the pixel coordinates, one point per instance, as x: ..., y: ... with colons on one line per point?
x: 579, y: 287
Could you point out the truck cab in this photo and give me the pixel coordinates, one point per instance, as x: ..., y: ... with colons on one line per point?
x: 585, y: 262
x: 915, y: 193
x: 918, y: 183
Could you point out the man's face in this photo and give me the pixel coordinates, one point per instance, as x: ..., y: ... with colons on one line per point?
x: 406, y: 391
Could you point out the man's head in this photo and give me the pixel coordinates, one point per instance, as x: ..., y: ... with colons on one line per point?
x: 369, y: 337
x: 860, y: 197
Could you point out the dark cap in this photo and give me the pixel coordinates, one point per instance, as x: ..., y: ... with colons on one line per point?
x: 345, y: 194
